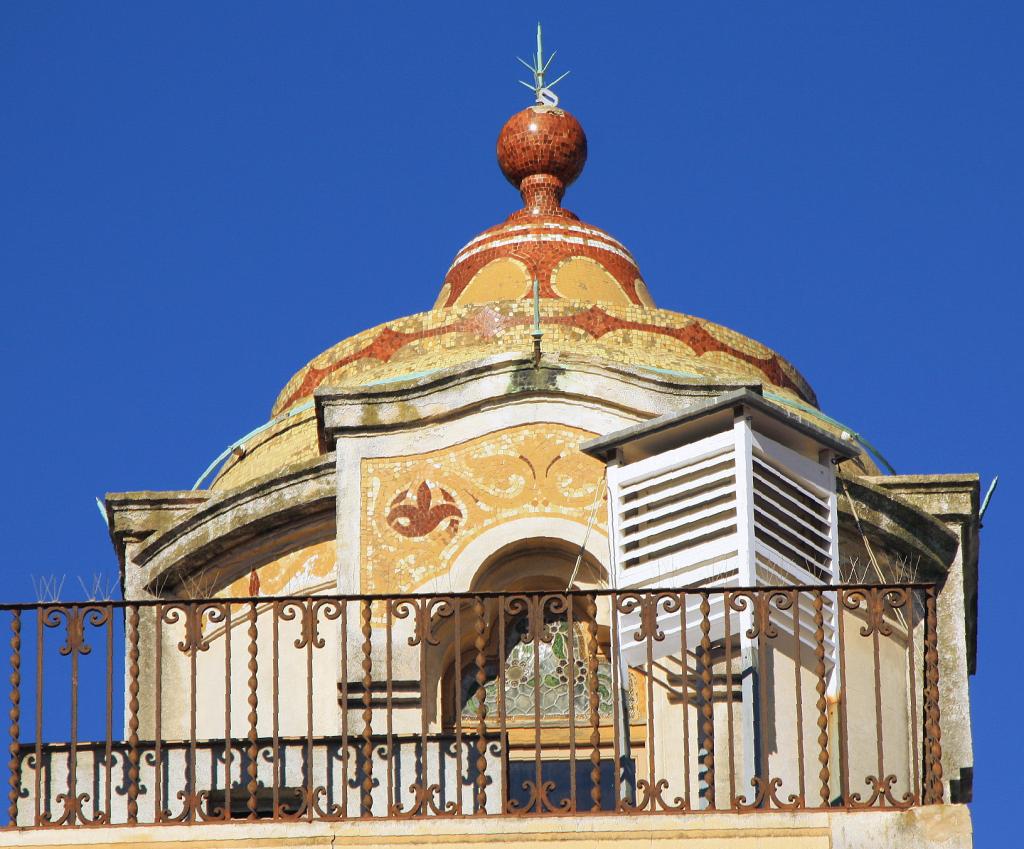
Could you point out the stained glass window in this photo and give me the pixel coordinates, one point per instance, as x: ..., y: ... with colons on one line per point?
x: 557, y: 678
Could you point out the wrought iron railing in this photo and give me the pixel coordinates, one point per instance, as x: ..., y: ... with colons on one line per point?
x: 329, y: 707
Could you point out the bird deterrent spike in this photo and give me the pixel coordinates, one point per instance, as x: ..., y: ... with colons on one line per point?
x: 542, y: 92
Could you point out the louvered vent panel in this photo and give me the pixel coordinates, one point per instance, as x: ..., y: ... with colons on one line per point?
x: 793, y: 533
x: 734, y: 509
x: 792, y: 514
x: 675, y: 515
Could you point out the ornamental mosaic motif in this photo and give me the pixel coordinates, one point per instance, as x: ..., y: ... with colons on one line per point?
x: 420, y: 511
x: 307, y: 570
x: 630, y: 334
x: 416, y: 515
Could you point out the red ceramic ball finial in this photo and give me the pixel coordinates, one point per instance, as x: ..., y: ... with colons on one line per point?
x: 541, y: 151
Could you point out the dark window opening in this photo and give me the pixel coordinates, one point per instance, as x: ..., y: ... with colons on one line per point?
x: 289, y: 800
x: 559, y: 772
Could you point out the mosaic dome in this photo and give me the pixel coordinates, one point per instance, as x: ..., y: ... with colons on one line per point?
x: 541, y: 151
x: 592, y: 303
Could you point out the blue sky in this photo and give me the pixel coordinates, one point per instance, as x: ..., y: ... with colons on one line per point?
x: 198, y: 198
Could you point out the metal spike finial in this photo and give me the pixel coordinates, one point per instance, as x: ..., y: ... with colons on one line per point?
x: 543, y: 93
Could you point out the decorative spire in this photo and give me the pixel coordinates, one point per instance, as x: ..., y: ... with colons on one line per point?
x: 543, y: 93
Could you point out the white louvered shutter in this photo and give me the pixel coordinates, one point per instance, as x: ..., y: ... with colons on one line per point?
x: 736, y: 508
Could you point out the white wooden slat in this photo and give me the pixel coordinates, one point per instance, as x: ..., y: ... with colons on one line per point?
x: 796, y: 465
x: 794, y: 571
x: 818, y: 508
x: 675, y: 473
x: 833, y: 513
x: 678, y: 506
x: 694, y: 451
x: 647, y: 550
x: 758, y: 511
x: 712, y: 523
x: 802, y: 561
x: 780, y: 575
x: 684, y: 522
x: 683, y: 488
x: 798, y: 484
x: 736, y: 508
x: 821, y: 535
x: 759, y: 477
x: 796, y: 556
x: 706, y: 561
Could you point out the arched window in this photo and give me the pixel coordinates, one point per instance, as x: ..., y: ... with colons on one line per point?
x: 540, y: 674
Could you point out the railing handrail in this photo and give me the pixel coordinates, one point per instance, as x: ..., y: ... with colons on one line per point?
x: 468, y: 594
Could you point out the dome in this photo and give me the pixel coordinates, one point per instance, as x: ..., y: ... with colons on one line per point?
x: 592, y: 303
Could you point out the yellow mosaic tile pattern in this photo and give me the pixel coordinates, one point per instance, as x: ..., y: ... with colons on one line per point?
x: 583, y: 279
x: 287, y: 442
x: 420, y: 511
x: 448, y: 337
x: 500, y: 279
x: 299, y: 572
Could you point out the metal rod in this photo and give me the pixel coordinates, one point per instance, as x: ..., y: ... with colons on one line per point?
x: 108, y: 748
x: 821, y: 704
x: 649, y: 629
x: 14, y: 764
x: 794, y: 603
x: 933, y: 733
x: 158, y: 811
x: 571, y: 685
x: 422, y: 784
x: 729, y: 718
x: 503, y: 707
x: 228, y: 740
x: 684, y: 659
x: 620, y: 713
x: 480, y: 644
x: 192, y: 627
x: 491, y: 594
x: 912, y: 663
x: 253, y: 700
x: 133, y: 715
x: 764, y: 612
x: 389, y: 707
x: 275, y: 709
x: 594, y: 698
x: 876, y: 615
x: 707, y: 705
x: 345, y: 743
x: 457, y: 702
x: 367, y: 663
x: 842, y: 596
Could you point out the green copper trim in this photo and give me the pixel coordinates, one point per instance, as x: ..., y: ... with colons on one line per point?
x: 239, y: 442
x: 806, y: 408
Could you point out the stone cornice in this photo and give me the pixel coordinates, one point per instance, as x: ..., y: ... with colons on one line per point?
x: 897, y: 521
x: 450, y: 393
x: 300, y: 494
x: 950, y: 497
x: 954, y: 500
x: 134, y: 516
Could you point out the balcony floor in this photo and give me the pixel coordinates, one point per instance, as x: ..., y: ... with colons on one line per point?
x: 947, y: 826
